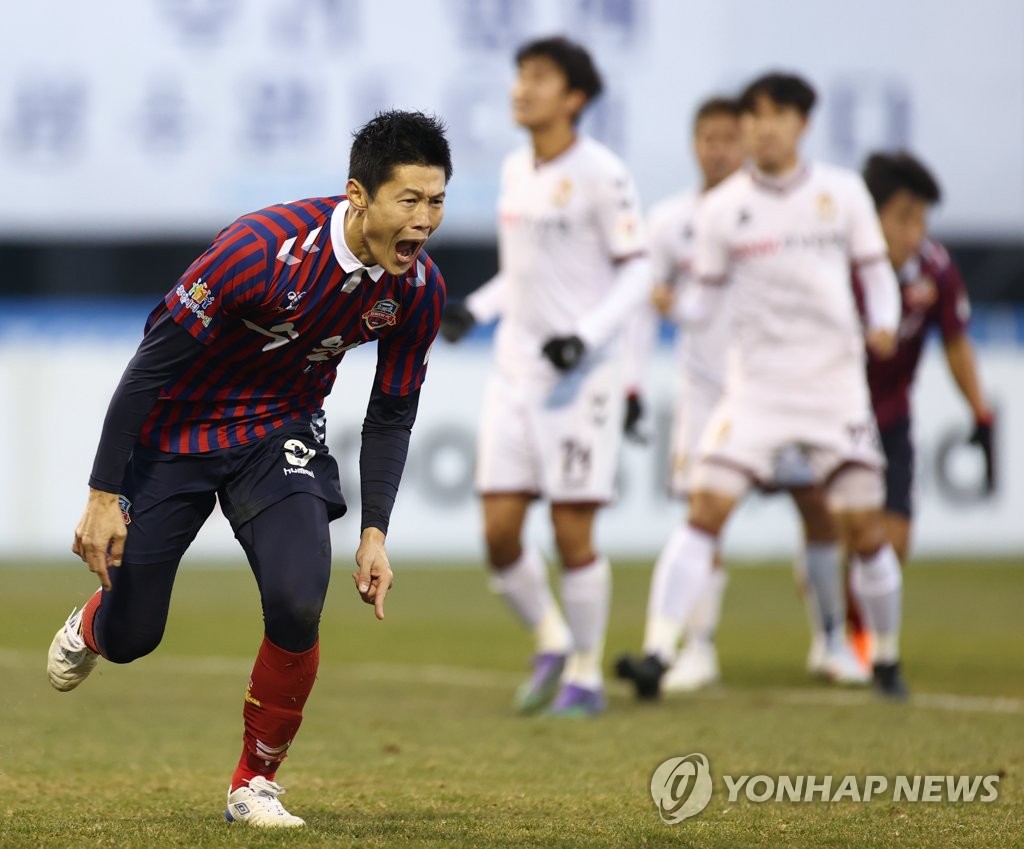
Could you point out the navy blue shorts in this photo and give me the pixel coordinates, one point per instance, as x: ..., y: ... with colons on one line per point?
x: 899, y: 472
x: 167, y: 497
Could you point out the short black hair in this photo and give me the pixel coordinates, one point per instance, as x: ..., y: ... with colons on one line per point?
x: 888, y: 173
x: 396, y: 138
x: 783, y: 90
x: 717, y: 105
x: 573, y: 59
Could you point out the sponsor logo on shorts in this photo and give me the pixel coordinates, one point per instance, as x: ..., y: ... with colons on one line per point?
x: 297, y: 454
x: 305, y: 472
x: 382, y: 314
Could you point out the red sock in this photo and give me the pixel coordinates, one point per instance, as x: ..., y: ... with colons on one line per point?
x: 278, y: 688
x: 88, y: 614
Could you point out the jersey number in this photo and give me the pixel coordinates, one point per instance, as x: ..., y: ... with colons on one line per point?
x: 280, y: 334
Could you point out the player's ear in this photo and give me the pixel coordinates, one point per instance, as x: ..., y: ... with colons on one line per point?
x: 358, y: 197
x: 577, y: 101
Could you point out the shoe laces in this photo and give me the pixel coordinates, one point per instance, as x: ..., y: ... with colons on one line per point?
x: 72, y: 633
x: 266, y: 787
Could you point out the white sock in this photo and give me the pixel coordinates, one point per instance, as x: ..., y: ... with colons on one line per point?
x: 877, y: 583
x: 586, y: 595
x: 524, y: 586
x: 680, y: 574
x: 825, y: 601
x: 707, y: 613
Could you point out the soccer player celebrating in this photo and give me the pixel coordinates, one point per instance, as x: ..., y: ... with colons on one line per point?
x: 718, y: 148
x: 572, y: 268
x: 933, y: 295
x: 223, y: 400
x: 782, y: 234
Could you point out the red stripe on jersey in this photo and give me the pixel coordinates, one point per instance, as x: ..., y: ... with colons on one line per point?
x: 277, y: 329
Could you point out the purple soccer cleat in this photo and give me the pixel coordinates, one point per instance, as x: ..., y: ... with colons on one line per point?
x: 536, y: 693
x: 574, y: 701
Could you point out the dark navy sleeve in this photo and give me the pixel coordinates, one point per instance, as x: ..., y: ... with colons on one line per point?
x: 385, y: 446
x: 164, y: 354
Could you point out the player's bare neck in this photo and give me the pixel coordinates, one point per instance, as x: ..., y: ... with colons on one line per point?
x: 355, y: 239
x: 551, y: 142
x: 780, y: 171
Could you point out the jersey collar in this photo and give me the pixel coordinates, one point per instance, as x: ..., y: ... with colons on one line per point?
x: 779, y: 185
x: 348, y: 261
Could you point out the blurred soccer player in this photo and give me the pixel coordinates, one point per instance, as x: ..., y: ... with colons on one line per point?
x: 223, y: 401
x: 782, y: 235
x: 933, y: 296
x: 718, y: 148
x: 572, y: 268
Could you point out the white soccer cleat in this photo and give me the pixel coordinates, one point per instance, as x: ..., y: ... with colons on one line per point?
x: 816, y: 656
x: 842, y: 666
x: 257, y: 805
x: 70, y: 661
x: 695, y: 667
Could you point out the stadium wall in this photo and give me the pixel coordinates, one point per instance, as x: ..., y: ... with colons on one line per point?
x: 58, y: 367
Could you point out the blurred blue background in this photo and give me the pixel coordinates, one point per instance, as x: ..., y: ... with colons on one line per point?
x: 132, y: 131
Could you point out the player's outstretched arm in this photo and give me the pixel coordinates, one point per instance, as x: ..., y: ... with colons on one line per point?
x: 374, y: 578
x: 100, y: 535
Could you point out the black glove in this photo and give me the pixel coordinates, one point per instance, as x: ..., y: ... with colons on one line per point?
x: 565, y: 352
x: 456, y: 321
x: 982, y: 437
x: 634, y: 413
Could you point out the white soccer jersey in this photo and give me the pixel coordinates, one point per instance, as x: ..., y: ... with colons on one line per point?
x: 563, y: 224
x: 671, y: 228
x: 785, y: 248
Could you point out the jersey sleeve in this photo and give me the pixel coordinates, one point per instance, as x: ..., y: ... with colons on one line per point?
x: 618, y: 213
x: 402, y: 356
x: 866, y: 242
x: 954, y: 305
x: 229, y: 275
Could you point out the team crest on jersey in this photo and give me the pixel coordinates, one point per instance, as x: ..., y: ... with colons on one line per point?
x: 826, y: 206
x: 382, y: 314
x: 921, y: 293
x: 126, y: 507
x: 563, y: 191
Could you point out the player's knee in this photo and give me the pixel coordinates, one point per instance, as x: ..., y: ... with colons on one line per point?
x: 501, y: 537
x: 716, y: 490
x: 575, y: 552
x: 865, y: 532
x: 128, y: 644
x: 709, y: 511
x: 293, y: 624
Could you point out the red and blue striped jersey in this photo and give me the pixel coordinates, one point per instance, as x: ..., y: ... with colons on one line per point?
x: 276, y: 312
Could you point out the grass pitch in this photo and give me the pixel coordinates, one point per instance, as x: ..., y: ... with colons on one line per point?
x: 409, y: 739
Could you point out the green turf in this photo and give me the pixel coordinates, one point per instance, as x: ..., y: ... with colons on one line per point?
x: 409, y: 739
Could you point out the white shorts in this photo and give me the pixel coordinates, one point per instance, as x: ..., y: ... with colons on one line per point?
x: 556, y: 439
x: 777, y: 446
x: 696, y: 402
